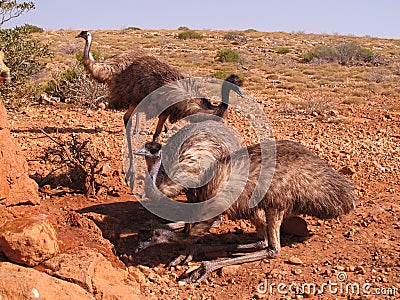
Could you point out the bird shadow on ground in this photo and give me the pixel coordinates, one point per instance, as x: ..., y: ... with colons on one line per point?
x: 134, y: 218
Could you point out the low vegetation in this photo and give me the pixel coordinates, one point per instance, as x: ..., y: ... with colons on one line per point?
x: 26, y: 58
x: 228, y: 55
x: 347, y: 54
x: 189, y: 34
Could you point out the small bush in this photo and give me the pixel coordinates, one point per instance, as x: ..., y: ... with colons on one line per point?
x: 25, y: 57
x: 235, y: 37
x: 76, y: 85
x: 345, y: 54
x: 228, y: 55
x: 132, y: 28
x: 219, y: 75
x: 324, y: 53
x: 283, y: 50
x: 189, y: 34
x: 183, y: 28
x: 250, y: 30
x: 33, y: 28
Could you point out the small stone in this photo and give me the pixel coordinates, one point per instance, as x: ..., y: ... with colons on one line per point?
x: 293, y: 260
x: 297, y: 271
x: 308, y: 295
x: 229, y: 270
x: 101, y: 106
x: 361, y: 270
x: 340, y: 268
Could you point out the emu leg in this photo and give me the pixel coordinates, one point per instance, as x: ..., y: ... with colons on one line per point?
x: 160, y: 124
x: 131, y: 172
x: 274, y: 220
x: 203, y: 248
x: 207, y: 267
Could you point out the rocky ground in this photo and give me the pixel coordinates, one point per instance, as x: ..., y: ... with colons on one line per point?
x: 98, y: 234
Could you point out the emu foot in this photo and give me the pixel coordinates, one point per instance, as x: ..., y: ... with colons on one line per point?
x: 181, y: 260
x: 201, y: 273
x: 207, y: 267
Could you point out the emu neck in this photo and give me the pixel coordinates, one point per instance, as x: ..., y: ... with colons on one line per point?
x: 225, y: 89
x: 87, y: 56
x: 154, y: 167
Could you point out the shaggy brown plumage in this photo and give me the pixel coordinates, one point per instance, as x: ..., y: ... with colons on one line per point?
x: 133, y: 75
x: 4, y: 70
x: 301, y: 183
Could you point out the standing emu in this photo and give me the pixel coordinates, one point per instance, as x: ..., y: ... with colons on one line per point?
x: 4, y: 70
x: 301, y: 184
x: 133, y: 75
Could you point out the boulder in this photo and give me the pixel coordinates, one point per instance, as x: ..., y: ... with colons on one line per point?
x: 18, y: 282
x: 28, y: 241
x: 16, y: 187
x: 93, y: 272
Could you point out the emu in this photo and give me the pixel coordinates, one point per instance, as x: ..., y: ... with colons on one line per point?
x: 132, y: 75
x: 4, y: 70
x: 302, y: 183
x: 196, y: 154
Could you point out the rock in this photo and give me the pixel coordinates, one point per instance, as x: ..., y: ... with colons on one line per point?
x: 347, y: 171
x: 109, y: 226
x: 137, y: 275
x: 229, y: 270
x: 295, y: 225
x: 101, y: 106
x: 297, y: 271
x: 93, y: 272
x: 16, y: 187
x: 293, y: 260
x: 18, y: 282
x: 28, y: 241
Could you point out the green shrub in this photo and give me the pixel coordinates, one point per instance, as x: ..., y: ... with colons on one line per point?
x: 250, y: 30
x: 96, y: 55
x: 76, y: 85
x: 235, y: 37
x: 132, y: 28
x: 183, y: 28
x: 33, y: 28
x: 25, y: 56
x: 346, y: 53
x: 189, y: 34
x: 283, y: 50
x: 324, y: 53
x: 219, y: 75
x: 228, y: 55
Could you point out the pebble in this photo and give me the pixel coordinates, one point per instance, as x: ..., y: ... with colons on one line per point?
x: 229, y: 270
x: 293, y: 260
x: 297, y: 271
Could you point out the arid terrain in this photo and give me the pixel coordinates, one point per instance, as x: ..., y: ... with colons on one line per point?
x: 349, y: 115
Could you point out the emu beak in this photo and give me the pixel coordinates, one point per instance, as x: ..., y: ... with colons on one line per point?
x: 141, y: 152
x: 142, y: 246
x: 239, y: 91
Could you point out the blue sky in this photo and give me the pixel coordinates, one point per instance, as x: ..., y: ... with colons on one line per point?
x: 355, y: 17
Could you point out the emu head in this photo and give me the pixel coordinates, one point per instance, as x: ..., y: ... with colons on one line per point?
x: 84, y: 34
x: 156, y: 237
x: 152, y: 154
x: 234, y: 83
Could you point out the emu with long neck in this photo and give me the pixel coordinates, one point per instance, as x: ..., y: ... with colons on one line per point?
x: 301, y: 184
x: 134, y: 74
